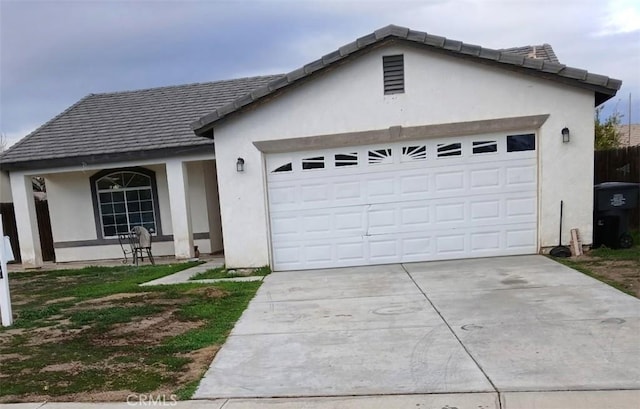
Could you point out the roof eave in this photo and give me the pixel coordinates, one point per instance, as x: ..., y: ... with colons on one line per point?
x: 104, y: 158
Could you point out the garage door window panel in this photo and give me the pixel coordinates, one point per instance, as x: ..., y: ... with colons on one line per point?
x: 346, y: 159
x: 316, y: 162
x: 287, y: 167
x: 380, y: 156
x: 520, y: 143
x: 480, y: 147
x: 449, y: 149
x: 413, y: 153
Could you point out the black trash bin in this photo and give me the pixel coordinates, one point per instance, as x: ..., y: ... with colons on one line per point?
x: 613, y: 202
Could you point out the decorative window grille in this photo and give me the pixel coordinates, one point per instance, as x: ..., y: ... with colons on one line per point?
x: 380, y: 156
x: 485, y: 147
x: 346, y: 159
x: 313, y: 163
x: 411, y: 153
x: 449, y: 149
x: 287, y: 167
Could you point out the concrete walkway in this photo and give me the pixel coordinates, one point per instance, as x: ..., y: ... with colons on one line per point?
x: 184, y: 276
x: 522, y: 327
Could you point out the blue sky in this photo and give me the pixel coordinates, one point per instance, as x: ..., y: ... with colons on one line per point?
x: 52, y: 53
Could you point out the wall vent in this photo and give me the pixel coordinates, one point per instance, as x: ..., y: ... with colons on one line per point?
x: 393, y: 68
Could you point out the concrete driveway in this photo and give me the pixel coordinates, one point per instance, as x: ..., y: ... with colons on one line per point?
x: 509, y: 324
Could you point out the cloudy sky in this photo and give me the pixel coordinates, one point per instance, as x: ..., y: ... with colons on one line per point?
x: 53, y: 53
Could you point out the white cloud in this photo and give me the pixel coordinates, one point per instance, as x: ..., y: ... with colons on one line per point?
x: 622, y: 16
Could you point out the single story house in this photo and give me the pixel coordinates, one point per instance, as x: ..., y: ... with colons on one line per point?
x: 400, y: 146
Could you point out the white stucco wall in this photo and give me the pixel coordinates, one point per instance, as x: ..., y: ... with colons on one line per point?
x: 213, y: 206
x: 72, y: 214
x: 438, y: 89
x: 70, y: 206
x: 198, y: 198
x: 5, y: 188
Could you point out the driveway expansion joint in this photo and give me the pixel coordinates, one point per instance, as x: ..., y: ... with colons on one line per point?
x: 453, y: 333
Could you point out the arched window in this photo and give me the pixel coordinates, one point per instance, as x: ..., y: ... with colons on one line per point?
x: 125, y: 199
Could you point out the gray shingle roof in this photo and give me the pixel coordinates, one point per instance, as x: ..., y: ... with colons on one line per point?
x: 603, y: 86
x: 112, y: 124
x: 541, y: 52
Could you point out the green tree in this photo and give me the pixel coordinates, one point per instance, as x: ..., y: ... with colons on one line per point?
x: 607, y: 133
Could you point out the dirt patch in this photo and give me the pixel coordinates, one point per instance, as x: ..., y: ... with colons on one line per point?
x: 209, y: 292
x: 11, y: 357
x: 200, y: 361
x: 49, y: 335
x: 118, y: 297
x: 59, y: 300
x: 147, y: 331
x: 69, y: 367
x: 624, y: 272
x: 115, y: 300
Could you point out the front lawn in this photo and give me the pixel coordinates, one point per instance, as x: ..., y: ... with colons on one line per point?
x: 620, y: 268
x: 94, y: 334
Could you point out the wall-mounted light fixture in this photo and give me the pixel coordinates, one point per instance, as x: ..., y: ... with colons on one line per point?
x: 240, y: 165
x: 565, y: 135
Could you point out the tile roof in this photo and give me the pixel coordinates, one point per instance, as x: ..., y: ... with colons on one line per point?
x: 603, y: 86
x: 541, y: 52
x: 112, y: 124
x: 629, y: 137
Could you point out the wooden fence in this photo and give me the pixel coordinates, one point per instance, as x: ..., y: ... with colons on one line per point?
x: 619, y: 165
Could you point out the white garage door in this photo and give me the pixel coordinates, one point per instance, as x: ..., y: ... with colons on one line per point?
x: 472, y: 196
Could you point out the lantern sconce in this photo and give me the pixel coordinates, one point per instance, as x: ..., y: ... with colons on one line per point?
x: 240, y: 165
x: 565, y: 135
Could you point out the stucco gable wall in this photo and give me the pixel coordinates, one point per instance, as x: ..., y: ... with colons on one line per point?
x: 438, y: 89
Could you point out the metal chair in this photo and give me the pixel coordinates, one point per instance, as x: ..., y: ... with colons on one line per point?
x: 125, y: 245
x: 139, y: 243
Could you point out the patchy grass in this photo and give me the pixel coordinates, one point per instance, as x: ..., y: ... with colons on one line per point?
x: 223, y: 272
x: 589, y: 269
x: 88, y: 334
x: 620, y: 268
